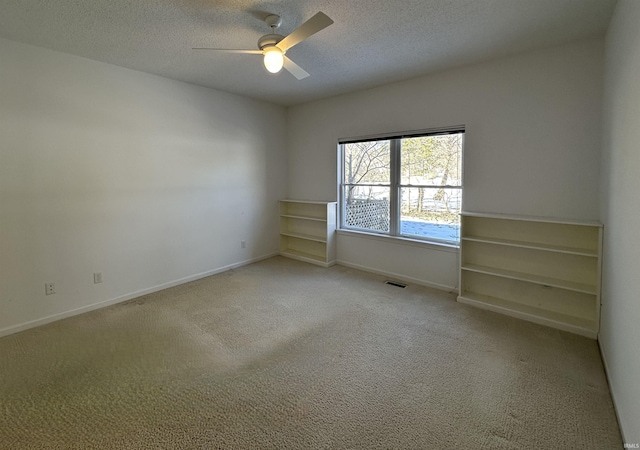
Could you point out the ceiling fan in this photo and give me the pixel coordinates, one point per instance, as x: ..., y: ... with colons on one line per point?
x: 274, y: 46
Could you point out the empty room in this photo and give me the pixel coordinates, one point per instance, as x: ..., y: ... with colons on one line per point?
x: 309, y: 224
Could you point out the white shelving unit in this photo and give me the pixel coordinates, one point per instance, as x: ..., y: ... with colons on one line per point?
x: 542, y: 270
x: 307, y: 231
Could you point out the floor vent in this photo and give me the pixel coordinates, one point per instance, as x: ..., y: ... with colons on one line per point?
x: 393, y: 283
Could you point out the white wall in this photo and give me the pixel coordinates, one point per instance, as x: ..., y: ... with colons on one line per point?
x: 147, y: 180
x: 532, y: 145
x: 620, y: 323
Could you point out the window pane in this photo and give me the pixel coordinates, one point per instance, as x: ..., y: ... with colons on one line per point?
x: 432, y: 160
x: 430, y: 212
x: 367, y: 162
x: 366, y: 208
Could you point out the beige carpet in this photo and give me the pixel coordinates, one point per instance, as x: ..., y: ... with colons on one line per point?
x: 282, y: 354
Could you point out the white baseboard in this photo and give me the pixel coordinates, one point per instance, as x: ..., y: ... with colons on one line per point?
x: 122, y: 298
x: 400, y: 277
x: 613, y: 397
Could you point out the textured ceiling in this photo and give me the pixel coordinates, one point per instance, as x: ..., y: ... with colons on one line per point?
x: 372, y: 42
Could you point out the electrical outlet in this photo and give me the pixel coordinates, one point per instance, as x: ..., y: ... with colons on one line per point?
x: 49, y: 288
x: 97, y: 277
x: 243, y: 244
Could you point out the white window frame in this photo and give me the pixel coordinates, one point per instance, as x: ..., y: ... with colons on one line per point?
x: 395, y: 183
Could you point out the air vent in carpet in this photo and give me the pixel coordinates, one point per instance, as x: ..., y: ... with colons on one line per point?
x: 396, y: 284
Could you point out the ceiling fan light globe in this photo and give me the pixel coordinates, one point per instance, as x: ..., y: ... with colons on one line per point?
x: 273, y: 60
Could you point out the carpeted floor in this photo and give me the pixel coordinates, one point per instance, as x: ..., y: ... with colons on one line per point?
x: 282, y: 354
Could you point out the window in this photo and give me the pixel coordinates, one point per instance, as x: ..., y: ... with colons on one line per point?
x: 408, y: 185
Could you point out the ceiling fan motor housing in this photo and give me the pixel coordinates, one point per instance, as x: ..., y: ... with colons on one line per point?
x: 269, y: 40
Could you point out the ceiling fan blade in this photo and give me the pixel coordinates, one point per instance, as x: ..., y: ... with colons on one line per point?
x: 230, y: 50
x: 295, y: 69
x: 318, y: 22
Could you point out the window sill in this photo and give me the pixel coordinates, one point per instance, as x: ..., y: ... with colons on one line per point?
x: 439, y: 246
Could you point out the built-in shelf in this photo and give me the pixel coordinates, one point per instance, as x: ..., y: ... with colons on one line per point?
x: 533, y: 245
x: 307, y: 231
x: 567, y: 322
x: 303, y: 218
x: 542, y: 270
x: 531, y: 278
x: 309, y: 237
x: 304, y: 256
